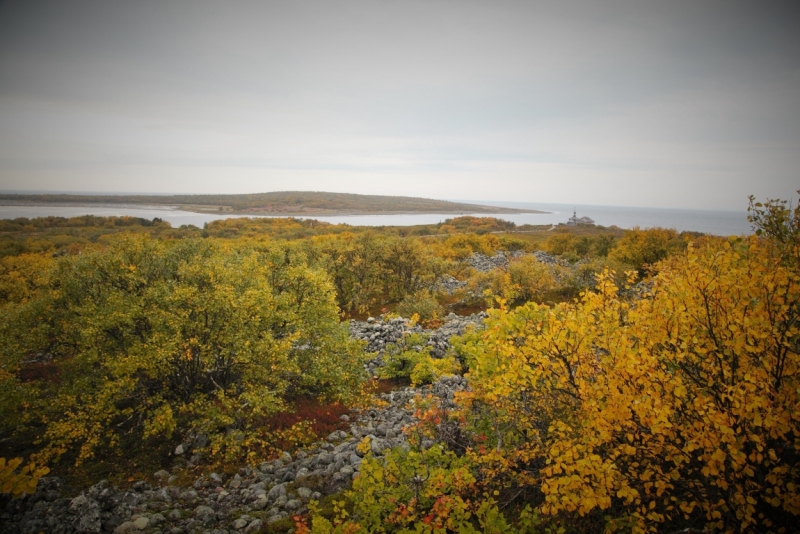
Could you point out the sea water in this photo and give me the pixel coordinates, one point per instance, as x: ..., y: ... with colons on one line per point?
x: 706, y: 221
x: 715, y: 222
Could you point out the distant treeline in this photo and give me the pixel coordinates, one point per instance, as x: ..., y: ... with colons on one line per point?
x: 278, y: 202
x: 51, y: 233
x: 23, y: 224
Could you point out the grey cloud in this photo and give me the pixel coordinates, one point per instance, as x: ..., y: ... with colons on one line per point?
x: 583, y: 102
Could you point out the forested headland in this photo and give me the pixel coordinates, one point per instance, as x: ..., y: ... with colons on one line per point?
x: 274, y: 203
x: 623, y: 380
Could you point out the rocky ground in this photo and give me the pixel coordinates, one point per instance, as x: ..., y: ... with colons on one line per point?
x: 483, y: 263
x: 254, y: 497
x: 218, y: 503
x: 379, y: 333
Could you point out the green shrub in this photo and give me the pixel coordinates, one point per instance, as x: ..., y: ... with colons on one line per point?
x: 152, y: 337
x: 423, y: 304
x: 403, y: 357
x: 428, y: 370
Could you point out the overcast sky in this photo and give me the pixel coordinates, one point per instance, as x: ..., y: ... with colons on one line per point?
x: 688, y: 104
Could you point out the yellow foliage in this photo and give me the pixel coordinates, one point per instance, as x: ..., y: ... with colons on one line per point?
x: 678, y: 409
x: 646, y: 247
x: 525, y: 279
x: 421, y: 306
x: 688, y: 397
x: 429, y: 369
x: 462, y: 246
x: 21, y: 277
x: 151, y: 336
x: 19, y: 481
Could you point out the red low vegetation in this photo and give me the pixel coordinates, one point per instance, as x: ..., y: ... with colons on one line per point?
x: 39, y: 371
x: 324, y: 418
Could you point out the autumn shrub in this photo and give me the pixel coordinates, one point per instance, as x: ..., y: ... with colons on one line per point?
x: 427, y: 495
x: 476, y: 225
x: 704, y: 425
x: 428, y: 369
x: 673, y: 412
x: 18, y: 478
x: 776, y: 221
x: 423, y: 303
x: 574, y: 247
x: 403, y: 356
x: 524, y: 279
x: 568, y: 246
x: 462, y: 246
x: 584, y: 275
x: 477, y: 290
x: 665, y: 412
x: 354, y: 264
x: 514, y: 244
x: 153, y: 337
x: 640, y: 248
x: 22, y: 280
x: 21, y: 277
x: 529, y: 279
x: 410, y: 266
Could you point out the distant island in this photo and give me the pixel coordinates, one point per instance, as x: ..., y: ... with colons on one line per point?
x: 287, y: 203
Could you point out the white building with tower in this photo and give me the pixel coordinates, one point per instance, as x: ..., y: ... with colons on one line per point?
x: 576, y: 221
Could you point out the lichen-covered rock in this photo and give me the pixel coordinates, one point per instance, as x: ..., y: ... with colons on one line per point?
x: 205, y: 514
x: 293, y: 504
x: 377, y: 446
x: 87, y: 512
x: 254, y: 526
x: 304, y: 494
x: 277, y: 492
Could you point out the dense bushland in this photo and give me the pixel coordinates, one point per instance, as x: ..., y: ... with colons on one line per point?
x: 676, y: 411
x: 150, y: 337
x: 597, y: 403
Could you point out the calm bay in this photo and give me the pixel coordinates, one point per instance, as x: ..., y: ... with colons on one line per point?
x: 706, y: 221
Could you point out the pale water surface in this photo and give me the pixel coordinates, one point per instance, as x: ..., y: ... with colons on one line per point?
x: 706, y: 221
x: 710, y: 222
